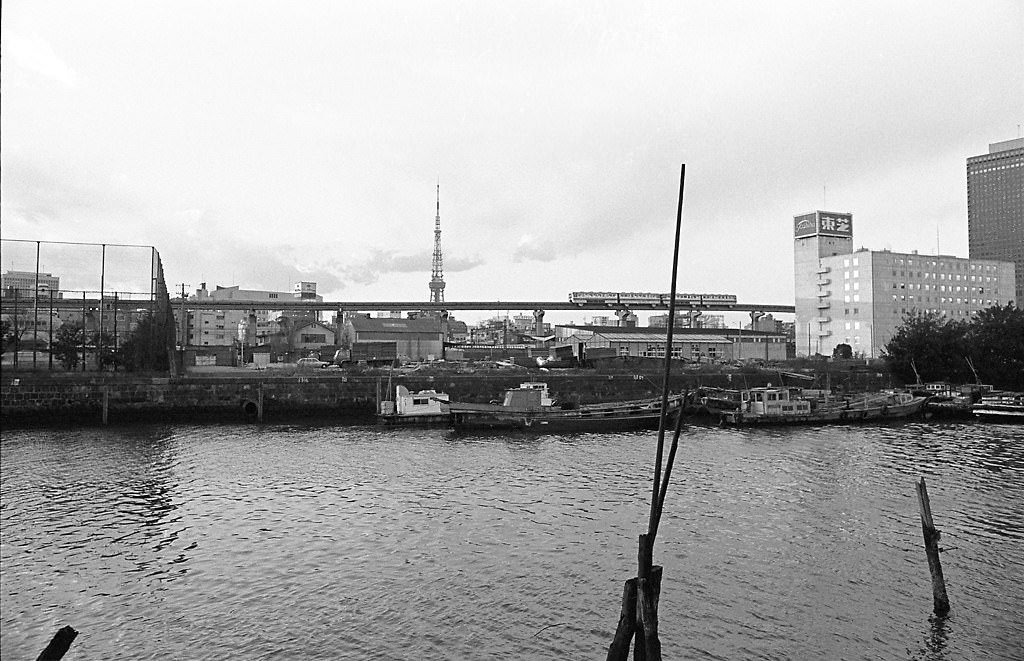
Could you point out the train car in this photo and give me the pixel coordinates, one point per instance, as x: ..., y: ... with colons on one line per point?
x: 646, y: 298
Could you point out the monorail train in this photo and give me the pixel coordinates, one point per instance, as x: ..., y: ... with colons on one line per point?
x: 645, y: 298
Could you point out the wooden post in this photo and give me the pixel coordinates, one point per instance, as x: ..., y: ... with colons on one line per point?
x: 931, y: 547
x: 106, y: 403
x: 619, y: 649
x: 259, y: 403
x: 647, y: 621
x: 58, y: 645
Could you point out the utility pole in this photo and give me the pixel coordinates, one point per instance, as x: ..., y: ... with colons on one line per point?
x: 184, y: 331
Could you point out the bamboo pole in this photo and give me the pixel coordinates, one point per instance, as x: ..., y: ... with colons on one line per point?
x: 639, y: 612
x: 931, y: 547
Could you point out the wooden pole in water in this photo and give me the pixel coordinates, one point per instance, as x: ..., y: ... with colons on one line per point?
x: 931, y: 547
x: 640, y: 595
x: 259, y: 403
x: 59, y: 645
x: 106, y: 403
x: 619, y: 650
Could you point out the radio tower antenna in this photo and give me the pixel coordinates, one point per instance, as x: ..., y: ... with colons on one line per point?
x: 437, y: 268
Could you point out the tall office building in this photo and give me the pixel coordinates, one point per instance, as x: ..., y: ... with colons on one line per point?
x: 995, y: 206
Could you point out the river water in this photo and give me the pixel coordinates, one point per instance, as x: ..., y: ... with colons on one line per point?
x: 339, y: 542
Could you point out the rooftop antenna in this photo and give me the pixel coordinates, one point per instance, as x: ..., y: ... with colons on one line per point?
x: 938, y: 250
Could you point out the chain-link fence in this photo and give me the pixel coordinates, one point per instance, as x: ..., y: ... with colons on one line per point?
x: 82, y: 306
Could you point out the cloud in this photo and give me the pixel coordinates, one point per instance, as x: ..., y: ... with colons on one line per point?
x: 35, y: 54
x: 43, y: 194
x: 531, y: 249
x: 383, y: 262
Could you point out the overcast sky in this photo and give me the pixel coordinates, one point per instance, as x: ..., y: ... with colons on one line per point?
x: 261, y: 143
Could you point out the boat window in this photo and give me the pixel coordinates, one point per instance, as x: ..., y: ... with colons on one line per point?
x: 772, y: 396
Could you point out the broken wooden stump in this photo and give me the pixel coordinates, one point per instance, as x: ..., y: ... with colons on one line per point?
x: 59, y: 645
x: 931, y: 547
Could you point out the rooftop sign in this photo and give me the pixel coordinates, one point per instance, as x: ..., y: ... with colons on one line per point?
x: 824, y: 223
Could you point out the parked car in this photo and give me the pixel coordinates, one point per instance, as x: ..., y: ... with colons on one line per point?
x: 311, y: 363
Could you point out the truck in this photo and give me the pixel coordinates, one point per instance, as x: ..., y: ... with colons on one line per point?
x: 375, y: 353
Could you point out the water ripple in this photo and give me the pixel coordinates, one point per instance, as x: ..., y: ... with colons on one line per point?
x: 290, y: 541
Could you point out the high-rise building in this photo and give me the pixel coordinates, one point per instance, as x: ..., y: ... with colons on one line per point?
x: 995, y: 206
x: 23, y: 283
x: 860, y: 297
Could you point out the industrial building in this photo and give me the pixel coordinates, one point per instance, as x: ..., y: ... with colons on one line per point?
x: 415, y: 339
x: 225, y: 327
x: 860, y: 297
x: 696, y: 344
x: 995, y: 206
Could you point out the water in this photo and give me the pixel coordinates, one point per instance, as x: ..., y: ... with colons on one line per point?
x: 309, y: 542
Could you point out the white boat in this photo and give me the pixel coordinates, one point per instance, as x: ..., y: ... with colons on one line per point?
x: 1002, y: 407
x: 425, y: 407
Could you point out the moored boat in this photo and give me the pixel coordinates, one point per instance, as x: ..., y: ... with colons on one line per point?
x: 1002, y: 407
x: 425, y: 407
x: 530, y: 407
x: 788, y: 406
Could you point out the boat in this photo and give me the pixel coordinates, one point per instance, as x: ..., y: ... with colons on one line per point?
x: 425, y: 407
x: 788, y: 406
x: 530, y: 407
x: 946, y: 400
x: 1001, y: 407
x: 713, y: 402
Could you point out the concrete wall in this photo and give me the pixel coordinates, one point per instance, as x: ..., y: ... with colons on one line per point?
x: 79, y: 398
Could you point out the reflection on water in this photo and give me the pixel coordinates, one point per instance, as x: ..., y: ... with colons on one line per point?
x: 358, y: 542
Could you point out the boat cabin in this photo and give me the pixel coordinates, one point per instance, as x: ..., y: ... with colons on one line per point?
x: 771, y: 401
x: 424, y: 402
x: 529, y: 395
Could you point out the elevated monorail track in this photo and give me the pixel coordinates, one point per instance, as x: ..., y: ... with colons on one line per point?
x: 26, y: 304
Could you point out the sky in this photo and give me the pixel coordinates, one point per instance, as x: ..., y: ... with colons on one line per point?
x: 262, y: 143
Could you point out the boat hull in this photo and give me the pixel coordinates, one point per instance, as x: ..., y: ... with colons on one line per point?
x: 1001, y: 409
x: 879, y: 413
x: 415, y: 420
x: 621, y: 416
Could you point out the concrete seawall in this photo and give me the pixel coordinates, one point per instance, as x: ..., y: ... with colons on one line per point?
x: 79, y: 399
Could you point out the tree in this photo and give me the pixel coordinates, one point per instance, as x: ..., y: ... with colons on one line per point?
x: 930, y: 347
x: 67, y: 344
x: 995, y: 341
x: 14, y: 326
x: 6, y: 335
x: 842, y: 351
x: 146, y: 348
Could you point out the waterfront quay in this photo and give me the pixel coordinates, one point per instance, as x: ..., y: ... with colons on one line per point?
x: 238, y: 395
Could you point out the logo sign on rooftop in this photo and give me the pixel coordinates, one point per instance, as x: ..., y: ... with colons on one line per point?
x: 825, y: 223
